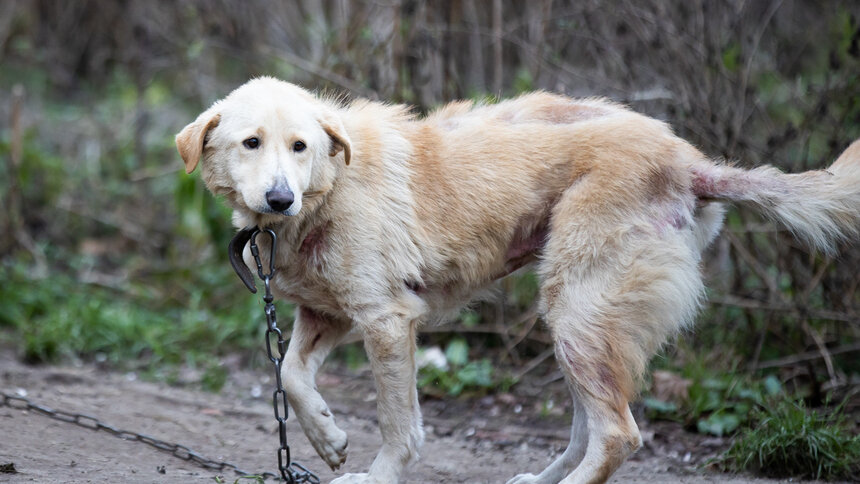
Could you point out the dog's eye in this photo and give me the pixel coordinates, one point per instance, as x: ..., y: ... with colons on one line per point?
x: 299, y: 146
x: 251, y: 143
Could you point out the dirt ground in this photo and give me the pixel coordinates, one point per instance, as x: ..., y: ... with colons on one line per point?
x: 482, y: 440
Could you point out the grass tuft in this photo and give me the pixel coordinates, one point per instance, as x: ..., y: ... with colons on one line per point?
x: 793, y: 441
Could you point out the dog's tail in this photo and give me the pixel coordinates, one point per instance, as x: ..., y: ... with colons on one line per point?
x: 821, y: 207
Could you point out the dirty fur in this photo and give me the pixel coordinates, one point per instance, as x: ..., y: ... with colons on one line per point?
x: 399, y: 220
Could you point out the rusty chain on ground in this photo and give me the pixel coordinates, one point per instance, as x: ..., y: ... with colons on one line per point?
x: 291, y: 472
x: 89, y: 422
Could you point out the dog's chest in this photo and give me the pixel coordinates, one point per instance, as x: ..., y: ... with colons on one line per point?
x: 309, y: 267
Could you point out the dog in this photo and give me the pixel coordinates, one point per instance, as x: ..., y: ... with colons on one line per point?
x: 387, y: 221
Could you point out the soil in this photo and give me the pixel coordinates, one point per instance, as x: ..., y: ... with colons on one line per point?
x: 476, y: 440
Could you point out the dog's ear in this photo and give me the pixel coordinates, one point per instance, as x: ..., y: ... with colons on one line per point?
x: 339, y: 139
x: 191, y: 140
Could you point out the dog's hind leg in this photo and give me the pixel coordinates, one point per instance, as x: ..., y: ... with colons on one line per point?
x: 572, y: 456
x: 314, y: 336
x: 390, y: 344
x: 615, y: 285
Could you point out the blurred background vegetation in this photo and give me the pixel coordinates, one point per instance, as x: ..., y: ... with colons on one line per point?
x: 111, y: 253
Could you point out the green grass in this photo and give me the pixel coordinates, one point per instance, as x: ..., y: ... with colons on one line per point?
x: 462, y: 376
x: 55, y: 318
x: 718, y: 403
x: 790, y: 440
x: 773, y: 434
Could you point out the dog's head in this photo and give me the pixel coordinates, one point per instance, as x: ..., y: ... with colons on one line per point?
x: 265, y: 146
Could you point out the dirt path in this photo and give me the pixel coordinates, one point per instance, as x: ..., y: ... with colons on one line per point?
x: 465, y: 442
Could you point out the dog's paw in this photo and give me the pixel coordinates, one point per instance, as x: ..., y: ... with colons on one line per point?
x: 330, y: 443
x: 525, y: 479
x: 362, y: 478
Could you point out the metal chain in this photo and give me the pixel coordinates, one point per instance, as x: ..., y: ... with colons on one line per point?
x: 292, y: 472
x: 89, y: 422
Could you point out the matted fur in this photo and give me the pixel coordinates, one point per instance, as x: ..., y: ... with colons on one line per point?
x: 399, y: 221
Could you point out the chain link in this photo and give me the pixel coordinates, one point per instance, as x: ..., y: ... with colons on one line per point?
x: 291, y: 472
x: 89, y: 422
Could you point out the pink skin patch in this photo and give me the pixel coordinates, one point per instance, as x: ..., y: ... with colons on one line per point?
x: 705, y: 185
x: 315, y: 323
x: 527, y: 244
x: 678, y: 220
x: 569, y: 356
x: 675, y: 217
x: 524, y: 248
x: 310, y: 318
x: 415, y: 287
x: 314, y: 244
x: 766, y: 187
x: 715, y: 184
x: 604, y: 385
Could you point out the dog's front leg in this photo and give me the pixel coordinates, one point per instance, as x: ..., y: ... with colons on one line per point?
x: 314, y: 336
x: 390, y: 345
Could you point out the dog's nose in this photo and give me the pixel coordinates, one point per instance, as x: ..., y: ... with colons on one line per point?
x: 280, y: 199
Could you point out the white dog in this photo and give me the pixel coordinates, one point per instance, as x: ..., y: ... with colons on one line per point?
x: 387, y: 222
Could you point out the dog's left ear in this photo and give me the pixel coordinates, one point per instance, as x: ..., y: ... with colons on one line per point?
x: 332, y: 125
x: 191, y: 140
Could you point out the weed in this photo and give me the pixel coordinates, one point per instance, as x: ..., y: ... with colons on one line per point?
x: 214, y: 378
x: 460, y: 375
x: 716, y: 404
x: 352, y: 355
x: 546, y: 407
x: 62, y: 318
x: 791, y: 440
